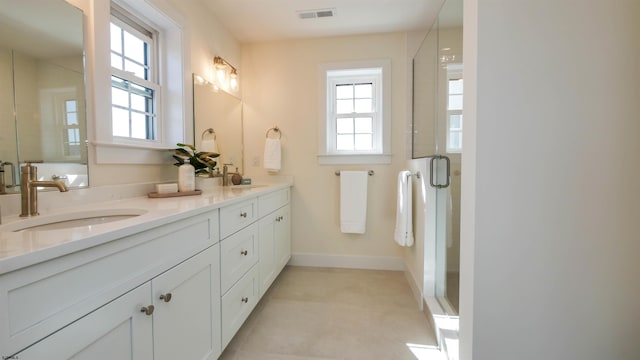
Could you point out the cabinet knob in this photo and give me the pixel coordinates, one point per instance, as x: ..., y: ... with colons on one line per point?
x: 165, y: 297
x: 244, y: 252
x: 245, y: 300
x: 148, y: 310
x: 278, y: 219
x: 243, y: 214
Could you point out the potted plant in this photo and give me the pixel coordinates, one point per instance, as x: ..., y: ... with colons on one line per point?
x: 202, y: 161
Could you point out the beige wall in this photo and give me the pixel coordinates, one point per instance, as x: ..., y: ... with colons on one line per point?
x: 280, y: 87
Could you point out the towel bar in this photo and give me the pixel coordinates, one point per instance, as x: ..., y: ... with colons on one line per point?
x: 370, y: 172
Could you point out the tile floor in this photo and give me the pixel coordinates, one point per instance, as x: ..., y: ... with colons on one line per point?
x: 331, y: 314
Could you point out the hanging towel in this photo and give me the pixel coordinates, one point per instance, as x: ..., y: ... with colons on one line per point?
x: 404, y: 222
x: 353, y: 201
x: 272, y: 155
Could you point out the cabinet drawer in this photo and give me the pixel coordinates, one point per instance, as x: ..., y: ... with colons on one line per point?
x: 275, y: 200
x: 238, y: 253
x: 238, y: 303
x: 40, y: 299
x: 235, y: 217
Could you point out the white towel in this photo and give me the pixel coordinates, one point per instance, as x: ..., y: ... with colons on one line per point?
x: 353, y: 201
x: 272, y: 155
x: 404, y: 222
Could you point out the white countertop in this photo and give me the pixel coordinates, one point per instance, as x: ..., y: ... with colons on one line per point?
x: 26, y: 248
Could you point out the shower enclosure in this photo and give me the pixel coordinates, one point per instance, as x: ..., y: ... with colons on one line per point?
x: 437, y: 136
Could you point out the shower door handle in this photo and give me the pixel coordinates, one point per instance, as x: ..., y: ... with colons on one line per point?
x: 432, y: 181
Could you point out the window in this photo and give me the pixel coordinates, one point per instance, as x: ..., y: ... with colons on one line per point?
x: 134, y: 80
x: 355, y: 124
x: 454, y: 112
x: 149, y: 82
x: 71, y: 134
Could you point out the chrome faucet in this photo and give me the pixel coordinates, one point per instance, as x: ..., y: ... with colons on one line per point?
x: 29, y: 189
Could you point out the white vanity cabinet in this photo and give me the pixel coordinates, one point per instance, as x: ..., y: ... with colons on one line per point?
x: 152, y: 295
x: 275, y: 236
x: 178, y: 288
x: 239, y: 256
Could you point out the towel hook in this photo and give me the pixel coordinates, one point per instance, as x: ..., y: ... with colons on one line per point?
x: 208, y: 131
x: 276, y: 130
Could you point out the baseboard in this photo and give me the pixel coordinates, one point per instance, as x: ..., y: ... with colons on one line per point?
x: 348, y: 262
x: 415, y: 288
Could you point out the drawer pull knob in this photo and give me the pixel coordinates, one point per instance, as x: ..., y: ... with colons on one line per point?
x: 165, y: 297
x: 244, y: 252
x: 147, y: 310
x: 243, y: 214
x: 245, y: 300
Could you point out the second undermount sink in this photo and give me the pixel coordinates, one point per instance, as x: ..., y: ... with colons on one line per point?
x: 72, y: 220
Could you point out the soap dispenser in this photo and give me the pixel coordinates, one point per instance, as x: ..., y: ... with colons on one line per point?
x: 186, y: 177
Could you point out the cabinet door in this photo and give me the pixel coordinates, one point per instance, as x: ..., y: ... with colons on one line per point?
x: 267, y: 248
x: 118, y: 330
x: 283, y: 237
x: 186, y: 321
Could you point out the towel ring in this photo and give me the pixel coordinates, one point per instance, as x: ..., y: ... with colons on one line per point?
x: 276, y: 130
x: 208, y: 131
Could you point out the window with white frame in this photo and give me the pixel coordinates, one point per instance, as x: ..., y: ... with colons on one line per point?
x: 147, y: 83
x: 355, y: 123
x: 454, y: 112
x: 71, y: 134
x: 134, y: 78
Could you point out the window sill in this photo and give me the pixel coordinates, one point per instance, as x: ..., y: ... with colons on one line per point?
x: 114, y: 153
x: 354, y: 159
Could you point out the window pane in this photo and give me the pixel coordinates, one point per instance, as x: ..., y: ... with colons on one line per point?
x: 344, y: 91
x: 138, y: 126
x: 455, y: 86
x: 72, y: 119
x: 455, y: 140
x: 344, y: 126
x: 71, y: 106
x: 116, y: 40
x: 344, y: 106
x: 134, y: 48
x: 363, y: 105
x: 137, y: 69
x: 364, y: 125
x: 344, y: 142
x: 119, y: 97
x: 455, y: 102
x: 364, y: 91
x: 455, y: 121
x: 363, y: 142
x: 120, y: 120
x: 116, y: 61
x: 72, y: 135
x: 138, y: 103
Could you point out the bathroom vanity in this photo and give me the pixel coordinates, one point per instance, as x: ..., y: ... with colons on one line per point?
x: 175, y: 281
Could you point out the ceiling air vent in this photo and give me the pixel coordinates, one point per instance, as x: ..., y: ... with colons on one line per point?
x: 313, y: 14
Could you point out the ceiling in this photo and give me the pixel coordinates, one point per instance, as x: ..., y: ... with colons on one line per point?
x: 268, y: 20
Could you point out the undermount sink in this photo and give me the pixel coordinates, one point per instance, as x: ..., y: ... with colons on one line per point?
x: 71, y: 220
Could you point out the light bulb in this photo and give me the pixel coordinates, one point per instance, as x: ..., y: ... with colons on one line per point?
x: 233, y: 82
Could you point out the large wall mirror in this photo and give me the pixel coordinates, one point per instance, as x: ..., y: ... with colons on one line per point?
x: 42, y: 92
x: 216, y: 109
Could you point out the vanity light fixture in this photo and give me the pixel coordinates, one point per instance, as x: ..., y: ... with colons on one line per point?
x: 226, y: 74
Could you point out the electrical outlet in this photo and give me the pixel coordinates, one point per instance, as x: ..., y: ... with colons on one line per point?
x: 256, y: 161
